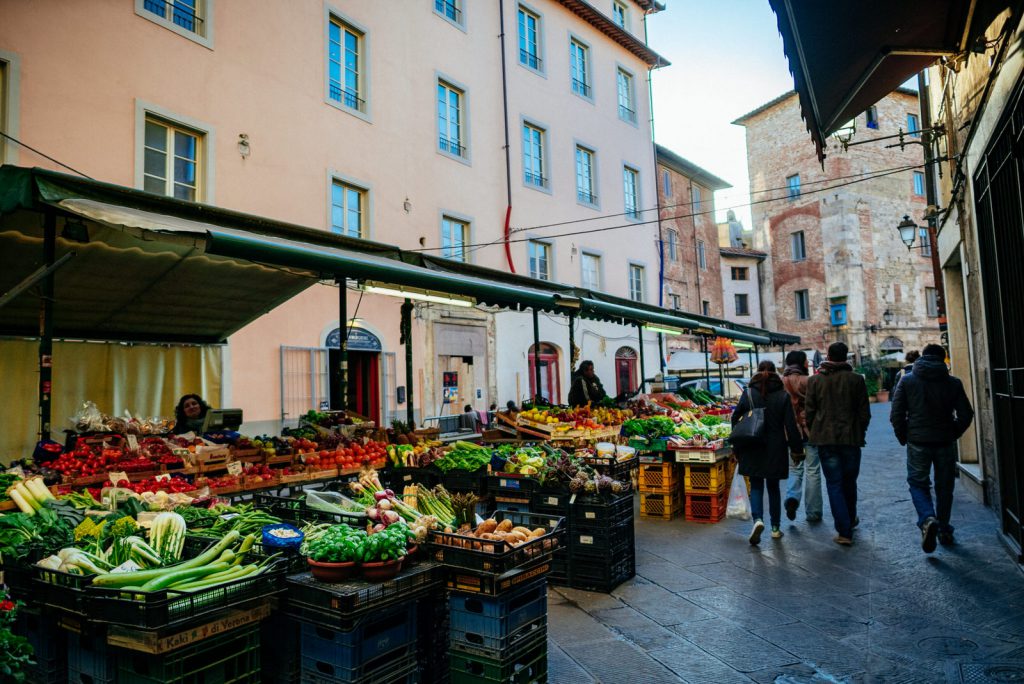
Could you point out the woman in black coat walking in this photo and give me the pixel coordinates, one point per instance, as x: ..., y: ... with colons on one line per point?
x: 768, y: 463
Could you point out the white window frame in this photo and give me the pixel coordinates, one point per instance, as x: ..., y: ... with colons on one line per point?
x: 746, y: 303
x: 207, y: 185
x: 916, y: 176
x: 627, y: 112
x: 539, y: 55
x: 696, y: 198
x: 631, y: 173
x: 666, y: 182
x: 588, y: 68
x: 365, y: 230
x: 793, y: 241
x: 10, y: 97
x: 793, y: 189
x: 362, y: 111
x: 206, y: 14
x: 594, y: 202
x: 931, y: 302
x: 673, y: 244
x: 634, y: 268
x: 805, y: 299
x: 702, y: 255
x: 454, y: 86
x: 459, y: 6
x: 545, y: 177
x: 467, y: 235
x: 598, y: 263
x: 620, y: 9
x: 548, y: 256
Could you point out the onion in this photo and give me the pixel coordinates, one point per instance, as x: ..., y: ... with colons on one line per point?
x: 380, y: 496
x: 384, y: 504
x: 372, y: 513
x: 391, y: 517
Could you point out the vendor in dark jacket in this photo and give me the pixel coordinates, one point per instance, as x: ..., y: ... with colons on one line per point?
x: 586, y: 386
x: 768, y: 463
x: 930, y: 411
x: 838, y: 413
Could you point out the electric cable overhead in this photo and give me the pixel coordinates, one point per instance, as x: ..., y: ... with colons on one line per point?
x: 45, y: 156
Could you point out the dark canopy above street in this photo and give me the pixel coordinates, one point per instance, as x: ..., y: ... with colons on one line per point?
x: 159, y: 269
x: 845, y: 56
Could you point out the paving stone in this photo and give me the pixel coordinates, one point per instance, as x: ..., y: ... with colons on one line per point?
x: 659, y: 604
x: 563, y: 669
x: 588, y: 600
x: 737, y: 607
x: 697, y: 666
x: 618, y: 662
x: 568, y: 624
x: 735, y: 646
x: 637, y: 628
x: 672, y: 577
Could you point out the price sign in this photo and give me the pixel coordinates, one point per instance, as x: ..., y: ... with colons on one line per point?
x: 117, y: 476
x: 163, y: 477
x: 235, y: 468
x: 17, y: 470
x: 133, y: 442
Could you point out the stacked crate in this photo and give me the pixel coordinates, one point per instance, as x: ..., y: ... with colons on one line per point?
x: 707, y: 489
x: 499, y: 638
x: 555, y: 502
x: 661, y: 493
x: 601, y: 541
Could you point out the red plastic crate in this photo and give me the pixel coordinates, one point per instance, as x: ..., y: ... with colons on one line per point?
x: 706, y: 508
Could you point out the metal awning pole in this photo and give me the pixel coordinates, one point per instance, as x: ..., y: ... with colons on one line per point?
x: 572, y: 343
x: 342, y: 397
x: 757, y: 355
x: 783, y: 355
x: 661, y: 354
x: 707, y: 363
x: 46, y: 326
x: 536, y: 357
x: 750, y: 360
x: 406, y: 334
x: 643, y: 373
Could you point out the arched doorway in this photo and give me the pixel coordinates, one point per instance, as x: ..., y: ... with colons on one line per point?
x: 364, y: 350
x: 550, y: 380
x: 625, y: 370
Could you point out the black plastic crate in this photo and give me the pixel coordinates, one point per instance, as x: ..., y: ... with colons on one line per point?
x: 432, y: 626
x: 49, y: 644
x: 513, y: 485
x: 341, y: 605
x: 600, y: 539
x: 397, y: 479
x: 232, y: 656
x: 466, y: 481
x: 601, y: 509
x: 293, y: 509
x: 495, y: 556
x: 90, y: 660
x: 168, y: 607
x: 527, y: 662
x: 390, y: 668
x: 494, y: 626
x: 387, y: 631
x: 280, y: 663
x: 559, y: 574
x: 550, y: 502
x: 614, y: 468
x: 494, y: 584
x: 600, y: 574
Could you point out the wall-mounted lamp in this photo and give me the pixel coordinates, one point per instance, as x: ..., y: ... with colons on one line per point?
x: 243, y: 145
x: 407, y: 205
x: 887, y: 317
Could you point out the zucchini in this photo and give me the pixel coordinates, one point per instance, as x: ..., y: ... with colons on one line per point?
x: 183, y: 575
x: 141, y: 577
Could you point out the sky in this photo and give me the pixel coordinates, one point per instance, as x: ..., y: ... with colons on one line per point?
x: 727, y: 59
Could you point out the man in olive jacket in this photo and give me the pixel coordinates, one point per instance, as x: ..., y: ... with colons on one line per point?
x: 838, y: 414
x: 930, y: 412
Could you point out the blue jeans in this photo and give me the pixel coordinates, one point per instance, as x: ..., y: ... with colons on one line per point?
x: 920, y: 459
x: 812, y: 467
x: 757, y: 486
x: 841, y: 466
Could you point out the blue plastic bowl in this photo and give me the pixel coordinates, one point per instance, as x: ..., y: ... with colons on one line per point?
x: 271, y: 541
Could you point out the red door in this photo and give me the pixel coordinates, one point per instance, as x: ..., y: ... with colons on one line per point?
x: 625, y: 370
x: 364, y: 384
x: 550, y: 380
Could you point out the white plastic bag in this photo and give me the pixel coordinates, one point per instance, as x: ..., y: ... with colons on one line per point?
x: 739, y: 502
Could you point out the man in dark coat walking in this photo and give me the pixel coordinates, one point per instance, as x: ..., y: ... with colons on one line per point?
x: 930, y: 411
x: 837, y: 413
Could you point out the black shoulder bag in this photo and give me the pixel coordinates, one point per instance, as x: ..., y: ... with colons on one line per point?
x: 749, y: 429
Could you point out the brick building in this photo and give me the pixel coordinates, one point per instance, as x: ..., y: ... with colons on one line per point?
x: 692, y: 264
x: 835, y: 266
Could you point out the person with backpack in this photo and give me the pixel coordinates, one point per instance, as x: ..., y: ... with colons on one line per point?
x: 838, y: 414
x: 764, y: 458
x: 930, y: 412
x: 912, y: 356
x: 794, y: 378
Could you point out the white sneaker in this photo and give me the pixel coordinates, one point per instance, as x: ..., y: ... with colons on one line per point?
x: 755, y: 534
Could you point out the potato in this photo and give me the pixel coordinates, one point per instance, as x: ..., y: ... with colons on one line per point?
x: 487, y: 526
x: 538, y: 532
x: 505, y: 526
x: 517, y: 538
x: 523, y: 530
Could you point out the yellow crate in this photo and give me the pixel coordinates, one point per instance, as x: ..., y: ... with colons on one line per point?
x: 706, y: 478
x: 658, y: 477
x: 664, y: 506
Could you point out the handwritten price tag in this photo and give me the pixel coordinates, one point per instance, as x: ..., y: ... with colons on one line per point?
x: 133, y: 442
x: 117, y: 476
x: 163, y: 477
x: 235, y: 468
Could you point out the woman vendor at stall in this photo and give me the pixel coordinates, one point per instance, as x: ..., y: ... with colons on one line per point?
x: 586, y: 386
x: 189, y: 414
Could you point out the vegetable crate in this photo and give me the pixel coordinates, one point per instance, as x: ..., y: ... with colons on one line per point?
x: 390, y: 671
x: 495, y: 556
x: 281, y: 663
x: 613, y: 467
x: 700, y: 455
x: 399, y: 478
x: 466, y: 481
x: 341, y: 606
x: 664, y: 506
x: 706, y: 508
x: 493, y: 626
x: 559, y: 574
x: 432, y: 624
x: 495, y: 584
x: 379, y: 639
x: 550, y: 502
x: 90, y: 660
x: 601, y: 573
x: 707, y: 478
x: 167, y: 607
x: 662, y: 478
x: 49, y: 644
x: 233, y: 656
x: 526, y: 662
x: 601, y: 509
x: 601, y: 539
x: 295, y: 510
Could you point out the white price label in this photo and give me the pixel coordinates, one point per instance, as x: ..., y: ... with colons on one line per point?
x: 502, y: 482
x: 407, y: 477
x: 235, y: 468
x: 163, y: 477
x: 552, y: 501
x: 586, y: 539
x: 590, y: 515
x: 572, y: 499
x: 133, y: 442
x: 117, y: 476
x: 17, y: 470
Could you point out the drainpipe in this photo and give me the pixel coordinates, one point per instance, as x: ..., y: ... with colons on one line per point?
x: 931, y: 198
x: 643, y: 371
x: 657, y: 203
x: 508, y: 150
x: 46, y: 327
x: 536, y: 358
x: 406, y: 326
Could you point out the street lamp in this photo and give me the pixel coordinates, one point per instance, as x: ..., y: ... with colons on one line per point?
x: 845, y: 134
x: 908, y: 231
x: 887, y: 317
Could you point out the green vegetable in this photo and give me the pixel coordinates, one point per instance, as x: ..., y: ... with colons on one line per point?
x: 167, y: 536
x: 464, y: 456
x: 140, y: 577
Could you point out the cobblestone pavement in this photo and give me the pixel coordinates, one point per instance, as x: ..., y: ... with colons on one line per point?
x: 706, y: 607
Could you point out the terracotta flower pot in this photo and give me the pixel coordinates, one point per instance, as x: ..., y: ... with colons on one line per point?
x: 882, y: 396
x: 332, y: 572
x: 381, y: 570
